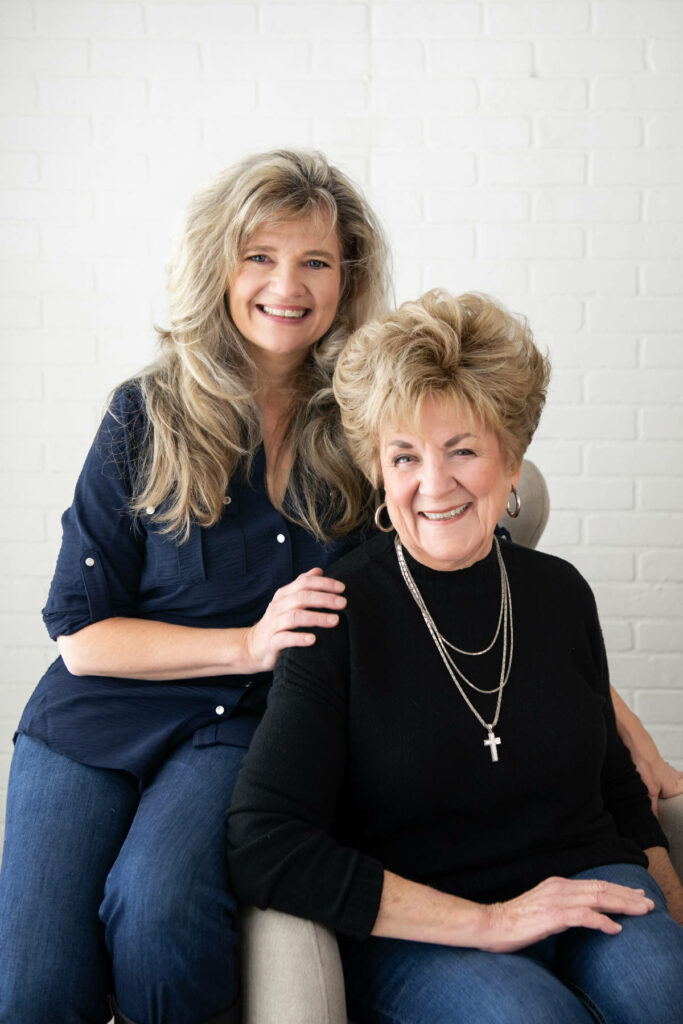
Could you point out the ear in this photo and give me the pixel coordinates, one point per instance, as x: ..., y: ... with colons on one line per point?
x: 515, y: 474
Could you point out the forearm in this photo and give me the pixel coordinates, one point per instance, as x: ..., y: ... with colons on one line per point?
x: 143, y: 649
x: 664, y: 874
x: 410, y: 910
x: 633, y: 732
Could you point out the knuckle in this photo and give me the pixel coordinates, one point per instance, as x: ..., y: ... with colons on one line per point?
x: 600, y: 889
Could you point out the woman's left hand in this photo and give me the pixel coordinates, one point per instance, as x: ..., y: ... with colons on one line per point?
x: 661, y: 779
x: 557, y: 904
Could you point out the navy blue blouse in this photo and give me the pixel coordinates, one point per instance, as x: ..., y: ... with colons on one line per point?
x: 113, y: 563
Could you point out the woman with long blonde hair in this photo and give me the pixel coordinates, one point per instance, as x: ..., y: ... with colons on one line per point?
x: 215, y: 494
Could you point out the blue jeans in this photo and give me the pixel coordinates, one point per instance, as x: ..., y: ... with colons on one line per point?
x: 578, y: 977
x: 105, y: 889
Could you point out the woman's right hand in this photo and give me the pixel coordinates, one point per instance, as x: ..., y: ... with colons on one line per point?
x: 292, y: 607
x: 555, y: 905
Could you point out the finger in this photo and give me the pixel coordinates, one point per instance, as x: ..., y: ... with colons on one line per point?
x: 676, y: 788
x: 304, y: 618
x: 315, y: 578
x: 587, y: 918
x: 310, y: 599
x: 281, y: 641
x: 613, y: 898
x: 596, y: 893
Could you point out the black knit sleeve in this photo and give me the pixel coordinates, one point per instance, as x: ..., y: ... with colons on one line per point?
x: 281, y: 853
x: 624, y: 792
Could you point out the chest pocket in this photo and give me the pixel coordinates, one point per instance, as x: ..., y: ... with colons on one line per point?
x: 208, y: 552
x: 221, y: 549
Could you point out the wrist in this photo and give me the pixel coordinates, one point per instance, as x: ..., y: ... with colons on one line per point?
x: 240, y: 659
x: 475, y: 925
x: 489, y: 926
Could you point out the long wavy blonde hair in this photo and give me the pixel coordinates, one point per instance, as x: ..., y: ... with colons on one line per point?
x: 203, y: 421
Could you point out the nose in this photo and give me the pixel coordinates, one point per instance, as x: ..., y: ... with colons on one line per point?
x: 437, y: 478
x: 287, y: 280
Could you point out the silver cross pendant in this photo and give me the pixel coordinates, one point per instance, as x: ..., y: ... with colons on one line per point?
x: 493, y: 742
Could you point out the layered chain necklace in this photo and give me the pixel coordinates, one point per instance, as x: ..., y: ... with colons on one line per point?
x: 442, y: 645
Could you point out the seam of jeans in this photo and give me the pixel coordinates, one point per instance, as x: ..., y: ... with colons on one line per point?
x: 590, y: 1005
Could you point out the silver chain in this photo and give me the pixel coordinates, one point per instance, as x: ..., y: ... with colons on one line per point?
x: 456, y: 673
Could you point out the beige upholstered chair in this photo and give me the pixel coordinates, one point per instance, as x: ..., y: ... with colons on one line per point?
x: 291, y: 970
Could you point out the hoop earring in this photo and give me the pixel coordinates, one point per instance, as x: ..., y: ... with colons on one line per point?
x: 378, y: 524
x: 517, y: 507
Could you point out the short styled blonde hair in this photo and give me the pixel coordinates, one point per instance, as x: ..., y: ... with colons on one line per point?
x: 467, y: 348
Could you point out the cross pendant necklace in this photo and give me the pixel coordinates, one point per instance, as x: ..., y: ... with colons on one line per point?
x: 493, y: 742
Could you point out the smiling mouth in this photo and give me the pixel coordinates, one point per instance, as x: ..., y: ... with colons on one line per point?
x: 452, y: 513
x: 284, y: 312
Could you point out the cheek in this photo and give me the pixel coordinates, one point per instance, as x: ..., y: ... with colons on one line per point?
x: 398, y: 499
x: 330, y: 299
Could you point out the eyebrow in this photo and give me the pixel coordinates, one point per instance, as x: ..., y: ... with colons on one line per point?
x: 456, y: 439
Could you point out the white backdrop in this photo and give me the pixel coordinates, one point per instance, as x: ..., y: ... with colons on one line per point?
x: 531, y: 149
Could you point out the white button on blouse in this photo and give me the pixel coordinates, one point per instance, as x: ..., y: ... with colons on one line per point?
x: 220, y: 709
x: 280, y: 538
x: 90, y: 562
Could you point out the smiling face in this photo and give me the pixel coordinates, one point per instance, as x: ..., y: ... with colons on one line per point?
x: 447, y: 484
x: 285, y: 293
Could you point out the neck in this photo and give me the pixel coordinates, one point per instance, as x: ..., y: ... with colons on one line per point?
x: 275, y: 373
x: 450, y: 565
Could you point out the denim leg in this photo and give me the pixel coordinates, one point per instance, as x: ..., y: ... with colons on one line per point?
x: 65, y: 825
x: 634, y: 976
x: 389, y: 981
x: 171, y: 921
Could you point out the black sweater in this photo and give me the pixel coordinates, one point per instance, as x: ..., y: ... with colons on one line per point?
x: 368, y: 757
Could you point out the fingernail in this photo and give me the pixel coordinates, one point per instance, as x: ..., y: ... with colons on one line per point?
x: 339, y: 586
x: 339, y: 602
x: 309, y: 638
x: 332, y: 619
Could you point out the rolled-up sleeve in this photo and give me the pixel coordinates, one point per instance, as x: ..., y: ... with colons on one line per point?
x: 103, y: 544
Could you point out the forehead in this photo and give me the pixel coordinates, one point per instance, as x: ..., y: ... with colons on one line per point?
x: 438, y: 418
x: 310, y: 232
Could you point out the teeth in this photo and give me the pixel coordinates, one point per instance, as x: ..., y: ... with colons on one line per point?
x: 451, y: 514
x: 288, y: 314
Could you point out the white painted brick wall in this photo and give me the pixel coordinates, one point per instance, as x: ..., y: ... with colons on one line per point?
x: 531, y: 149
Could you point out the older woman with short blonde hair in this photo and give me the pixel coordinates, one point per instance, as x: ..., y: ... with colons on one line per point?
x: 440, y: 778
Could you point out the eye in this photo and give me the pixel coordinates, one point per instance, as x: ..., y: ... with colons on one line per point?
x: 257, y: 257
x: 317, y: 264
x: 463, y: 451
x: 402, y: 460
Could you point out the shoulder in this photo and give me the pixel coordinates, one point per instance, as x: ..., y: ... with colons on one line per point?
x: 354, y: 567
x: 125, y: 410
x: 548, y: 572
x: 122, y: 434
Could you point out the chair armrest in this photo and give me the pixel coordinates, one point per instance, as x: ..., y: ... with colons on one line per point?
x: 671, y: 819
x: 291, y: 971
